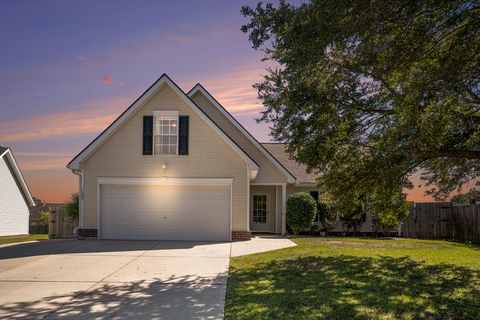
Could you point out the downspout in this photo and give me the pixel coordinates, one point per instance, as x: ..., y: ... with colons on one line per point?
x: 79, y: 173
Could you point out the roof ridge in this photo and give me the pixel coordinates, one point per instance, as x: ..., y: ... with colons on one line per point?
x: 248, y: 134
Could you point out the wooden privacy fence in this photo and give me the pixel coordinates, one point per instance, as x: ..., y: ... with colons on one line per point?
x: 436, y: 220
x: 60, y: 225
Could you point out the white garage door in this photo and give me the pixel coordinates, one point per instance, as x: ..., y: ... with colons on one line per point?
x: 173, y: 212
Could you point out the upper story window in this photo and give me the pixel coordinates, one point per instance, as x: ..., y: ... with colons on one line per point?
x: 165, y: 132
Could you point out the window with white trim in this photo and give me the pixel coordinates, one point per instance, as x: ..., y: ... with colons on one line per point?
x: 165, y: 133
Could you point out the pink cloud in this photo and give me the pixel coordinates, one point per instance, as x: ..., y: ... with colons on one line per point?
x: 120, y: 83
x: 108, y: 80
x: 90, y: 117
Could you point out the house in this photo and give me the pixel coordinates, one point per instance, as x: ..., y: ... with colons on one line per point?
x: 178, y: 166
x: 15, y: 198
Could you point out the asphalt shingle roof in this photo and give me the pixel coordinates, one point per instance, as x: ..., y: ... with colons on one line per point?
x: 298, y: 170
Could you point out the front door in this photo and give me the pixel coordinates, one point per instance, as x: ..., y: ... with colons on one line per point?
x: 259, y: 212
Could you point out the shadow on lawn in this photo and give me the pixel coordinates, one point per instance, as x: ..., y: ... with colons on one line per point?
x: 176, y: 298
x: 349, y: 287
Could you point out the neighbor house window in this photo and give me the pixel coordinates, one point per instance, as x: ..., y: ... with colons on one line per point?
x: 165, y: 132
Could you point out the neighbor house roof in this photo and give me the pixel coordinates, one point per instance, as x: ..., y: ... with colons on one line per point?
x: 74, y: 164
x: 278, y: 150
x: 6, y: 153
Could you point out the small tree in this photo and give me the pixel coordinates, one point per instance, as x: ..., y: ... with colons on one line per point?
x: 43, y: 219
x: 73, y: 206
x: 328, y: 216
x: 387, y: 213
x: 301, y: 211
x: 352, y: 213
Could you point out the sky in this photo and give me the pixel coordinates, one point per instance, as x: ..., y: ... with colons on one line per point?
x: 68, y: 68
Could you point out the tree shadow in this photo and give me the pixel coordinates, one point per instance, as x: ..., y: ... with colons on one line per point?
x: 175, y: 298
x: 52, y: 247
x: 350, y: 287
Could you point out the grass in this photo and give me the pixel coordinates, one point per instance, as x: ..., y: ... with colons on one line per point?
x: 33, y: 237
x: 351, y: 278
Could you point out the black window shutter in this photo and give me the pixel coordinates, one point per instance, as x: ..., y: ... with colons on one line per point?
x: 148, y: 135
x: 183, y: 135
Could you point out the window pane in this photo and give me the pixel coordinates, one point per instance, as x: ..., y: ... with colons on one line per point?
x: 165, y: 136
x: 156, y: 142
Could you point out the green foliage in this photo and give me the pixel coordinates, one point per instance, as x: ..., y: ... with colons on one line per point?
x: 472, y: 194
x: 43, y: 219
x: 352, y: 212
x: 367, y: 93
x: 73, y: 206
x: 301, y: 211
x: 388, y: 211
x: 328, y: 216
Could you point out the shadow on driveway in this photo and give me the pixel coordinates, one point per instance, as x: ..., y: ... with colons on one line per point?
x: 202, y: 298
x: 66, y: 246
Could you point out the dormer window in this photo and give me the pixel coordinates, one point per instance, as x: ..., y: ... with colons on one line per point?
x: 165, y: 133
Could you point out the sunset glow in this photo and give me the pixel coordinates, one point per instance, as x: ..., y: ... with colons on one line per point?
x: 67, y: 70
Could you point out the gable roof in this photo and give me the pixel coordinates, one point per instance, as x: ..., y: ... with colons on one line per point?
x: 6, y: 153
x: 278, y: 150
x: 199, y: 88
x: 74, y: 164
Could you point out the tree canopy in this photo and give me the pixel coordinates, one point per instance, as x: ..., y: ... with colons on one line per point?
x: 471, y: 195
x: 366, y: 93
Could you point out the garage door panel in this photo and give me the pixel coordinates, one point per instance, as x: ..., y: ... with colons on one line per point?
x: 164, y: 207
x: 165, y: 212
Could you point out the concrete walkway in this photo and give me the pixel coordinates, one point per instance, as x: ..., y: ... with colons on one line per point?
x: 260, y: 243
x: 119, y: 279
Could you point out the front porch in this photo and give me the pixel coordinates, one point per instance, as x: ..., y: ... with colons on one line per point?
x: 267, y: 204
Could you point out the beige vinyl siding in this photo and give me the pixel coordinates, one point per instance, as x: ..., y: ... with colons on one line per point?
x: 294, y: 189
x: 268, y: 172
x: 209, y: 157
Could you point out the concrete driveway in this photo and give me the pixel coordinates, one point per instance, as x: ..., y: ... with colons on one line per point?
x: 113, y: 279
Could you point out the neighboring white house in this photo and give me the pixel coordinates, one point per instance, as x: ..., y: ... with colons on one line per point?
x: 14, y: 196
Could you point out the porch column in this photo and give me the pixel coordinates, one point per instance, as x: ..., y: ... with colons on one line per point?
x: 284, y: 209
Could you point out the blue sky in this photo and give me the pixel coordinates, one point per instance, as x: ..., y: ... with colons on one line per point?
x: 67, y: 68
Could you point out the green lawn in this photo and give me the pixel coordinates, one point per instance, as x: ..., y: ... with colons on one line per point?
x: 351, y: 278
x: 4, y: 240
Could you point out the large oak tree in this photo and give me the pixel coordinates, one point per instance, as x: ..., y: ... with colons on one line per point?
x: 366, y: 93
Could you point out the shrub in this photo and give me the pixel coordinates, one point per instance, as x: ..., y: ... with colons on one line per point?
x: 73, y: 206
x: 352, y: 214
x: 328, y: 216
x: 301, y: 211
x: 387, y: 213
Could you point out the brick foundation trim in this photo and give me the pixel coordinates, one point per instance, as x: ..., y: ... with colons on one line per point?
x: 241, y: 235
x: 87, y: 233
